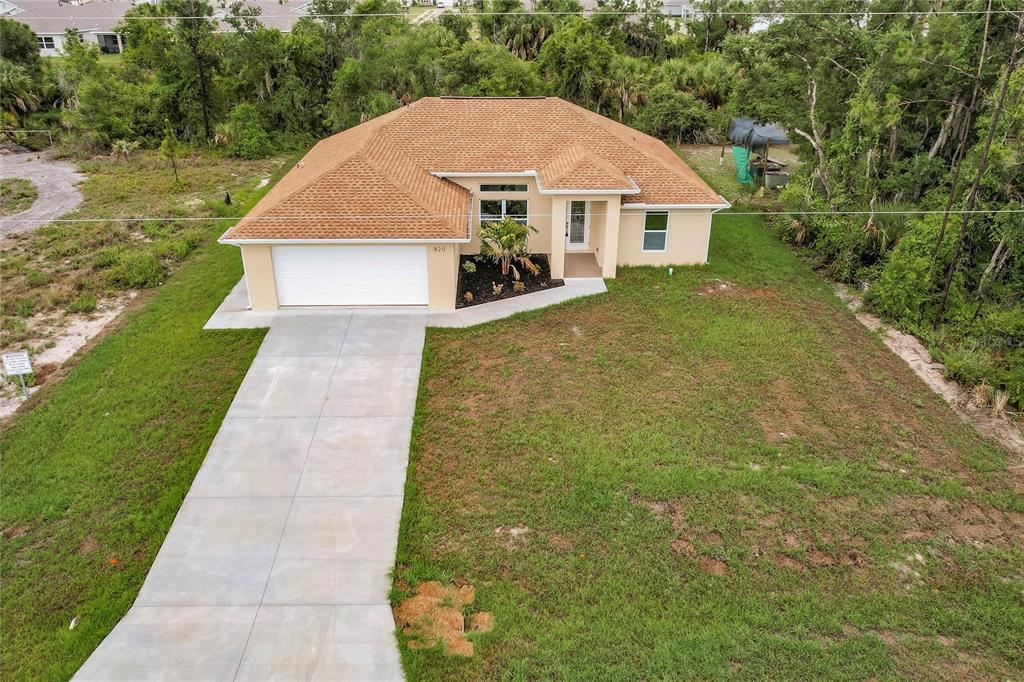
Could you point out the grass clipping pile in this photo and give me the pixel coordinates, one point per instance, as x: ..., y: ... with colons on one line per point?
x: 435, y: 615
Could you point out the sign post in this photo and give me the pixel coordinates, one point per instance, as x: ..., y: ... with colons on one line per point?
x: 17, y: 363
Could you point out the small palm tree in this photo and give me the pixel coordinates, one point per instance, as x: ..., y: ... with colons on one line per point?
x: 625, y: 84
x: 504, y: 242
x: 17, y: 93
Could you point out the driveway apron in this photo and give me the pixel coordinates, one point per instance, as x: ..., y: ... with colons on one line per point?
x: 276, y: 566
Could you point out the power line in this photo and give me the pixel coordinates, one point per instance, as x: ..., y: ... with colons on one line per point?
x: 584, y: 13
x: 347, y: 216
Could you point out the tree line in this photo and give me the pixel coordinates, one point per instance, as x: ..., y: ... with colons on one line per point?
x: 893, y: 105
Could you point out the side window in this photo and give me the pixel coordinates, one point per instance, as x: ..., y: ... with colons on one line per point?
x: 655, y: 231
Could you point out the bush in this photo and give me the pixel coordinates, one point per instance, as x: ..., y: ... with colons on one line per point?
x: 37, y: 278
x: 106, y: 257
x: 137, y: 270
x: 909, y: 283
x: 678, y: 116
x: 248, y: 139
x: 83, y: 303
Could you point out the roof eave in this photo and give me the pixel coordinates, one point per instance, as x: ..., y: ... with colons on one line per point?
x: 540, y: 186
x: 359, y: 240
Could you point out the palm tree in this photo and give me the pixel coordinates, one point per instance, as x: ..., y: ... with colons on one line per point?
x: 17, y: 91
x: 524, y: 36
x: 624, y: 85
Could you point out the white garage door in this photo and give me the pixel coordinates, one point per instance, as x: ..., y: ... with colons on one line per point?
x: 351, y: 275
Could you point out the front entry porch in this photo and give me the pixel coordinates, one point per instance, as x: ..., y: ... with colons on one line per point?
x: 584, y: 235
x: 581, y: 265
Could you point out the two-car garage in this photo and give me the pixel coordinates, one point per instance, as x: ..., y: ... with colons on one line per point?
x: 358, y: 274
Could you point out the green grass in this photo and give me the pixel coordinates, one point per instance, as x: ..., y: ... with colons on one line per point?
x: 95, y: 470
x: 16, y: 195
x: 641, y: 433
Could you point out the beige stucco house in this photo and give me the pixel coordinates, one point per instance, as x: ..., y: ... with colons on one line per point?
x: 380, y: 213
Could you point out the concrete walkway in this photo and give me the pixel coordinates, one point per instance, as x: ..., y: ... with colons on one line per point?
x: 56, y: 182
x: 234, y: 312
x: 277, y: 565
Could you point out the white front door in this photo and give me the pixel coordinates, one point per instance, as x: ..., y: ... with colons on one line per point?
x: 363, y: 274
x: 577, y: 226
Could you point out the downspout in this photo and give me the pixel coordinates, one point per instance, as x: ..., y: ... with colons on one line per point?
x: 707, y: 250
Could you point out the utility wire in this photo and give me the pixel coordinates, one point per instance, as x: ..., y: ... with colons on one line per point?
x: 696, y: 16
x: 340, y: 216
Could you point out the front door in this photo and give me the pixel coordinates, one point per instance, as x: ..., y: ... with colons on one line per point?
x: 577, y: 229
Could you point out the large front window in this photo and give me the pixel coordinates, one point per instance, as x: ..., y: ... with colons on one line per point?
x: 655, y: 231
x: 493, y: 210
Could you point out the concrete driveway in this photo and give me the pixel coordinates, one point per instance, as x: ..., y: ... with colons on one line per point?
x: 56, y: 182
x: 277, y: 565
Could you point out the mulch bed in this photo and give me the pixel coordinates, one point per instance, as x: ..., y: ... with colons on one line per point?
x: 488, y: 273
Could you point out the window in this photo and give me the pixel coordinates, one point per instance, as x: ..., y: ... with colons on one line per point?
x: 45, y: 42
x: 493, y: 210
x: 655, y: 231
x: 504, y: 188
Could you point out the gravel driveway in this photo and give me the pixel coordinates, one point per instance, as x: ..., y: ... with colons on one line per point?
x: 56, y: 182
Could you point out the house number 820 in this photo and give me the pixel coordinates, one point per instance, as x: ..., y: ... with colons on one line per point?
x: 440, y: 249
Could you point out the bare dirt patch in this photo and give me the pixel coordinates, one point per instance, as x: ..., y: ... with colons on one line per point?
x: 783, y: 561
x: 925, y: 518
x: 720, y: 287
x: 435, y: 615
x: 917, y: 357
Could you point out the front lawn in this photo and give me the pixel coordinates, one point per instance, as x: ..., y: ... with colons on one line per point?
x: 720, y: 474
x: 94, y: 470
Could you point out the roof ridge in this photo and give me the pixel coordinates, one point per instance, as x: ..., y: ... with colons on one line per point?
x: 427, y: 175
x: 621, y: 130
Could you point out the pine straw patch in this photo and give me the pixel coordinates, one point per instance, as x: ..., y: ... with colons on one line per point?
x: 434, y: 616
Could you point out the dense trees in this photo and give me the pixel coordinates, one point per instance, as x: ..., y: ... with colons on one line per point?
x: 889, y: 104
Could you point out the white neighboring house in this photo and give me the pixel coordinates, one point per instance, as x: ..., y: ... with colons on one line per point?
x: 96, y: 20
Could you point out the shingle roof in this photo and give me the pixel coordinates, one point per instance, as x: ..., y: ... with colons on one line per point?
x: 381, y: 179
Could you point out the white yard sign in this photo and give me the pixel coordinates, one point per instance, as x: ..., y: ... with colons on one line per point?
x: 17, y: 364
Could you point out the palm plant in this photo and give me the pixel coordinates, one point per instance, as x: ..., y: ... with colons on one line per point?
x: 625, y: 84
x: 17, y: 91
x: 505, y: 242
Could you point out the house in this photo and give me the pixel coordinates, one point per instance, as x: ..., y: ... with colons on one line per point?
x: 96, y: 20
x: 380, y: 213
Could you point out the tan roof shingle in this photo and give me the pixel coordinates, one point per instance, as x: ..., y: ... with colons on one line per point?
x: 380, y: 180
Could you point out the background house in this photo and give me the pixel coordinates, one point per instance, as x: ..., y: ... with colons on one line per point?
x: 96, y: 20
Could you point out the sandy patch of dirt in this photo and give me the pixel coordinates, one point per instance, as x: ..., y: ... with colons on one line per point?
x: 925, y: 518
x: 917, y: 357
x: 722, y: 287
x: 435, y: 615
x: 712, y: 565
x: 783, y: 561
x: 60, y: 337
